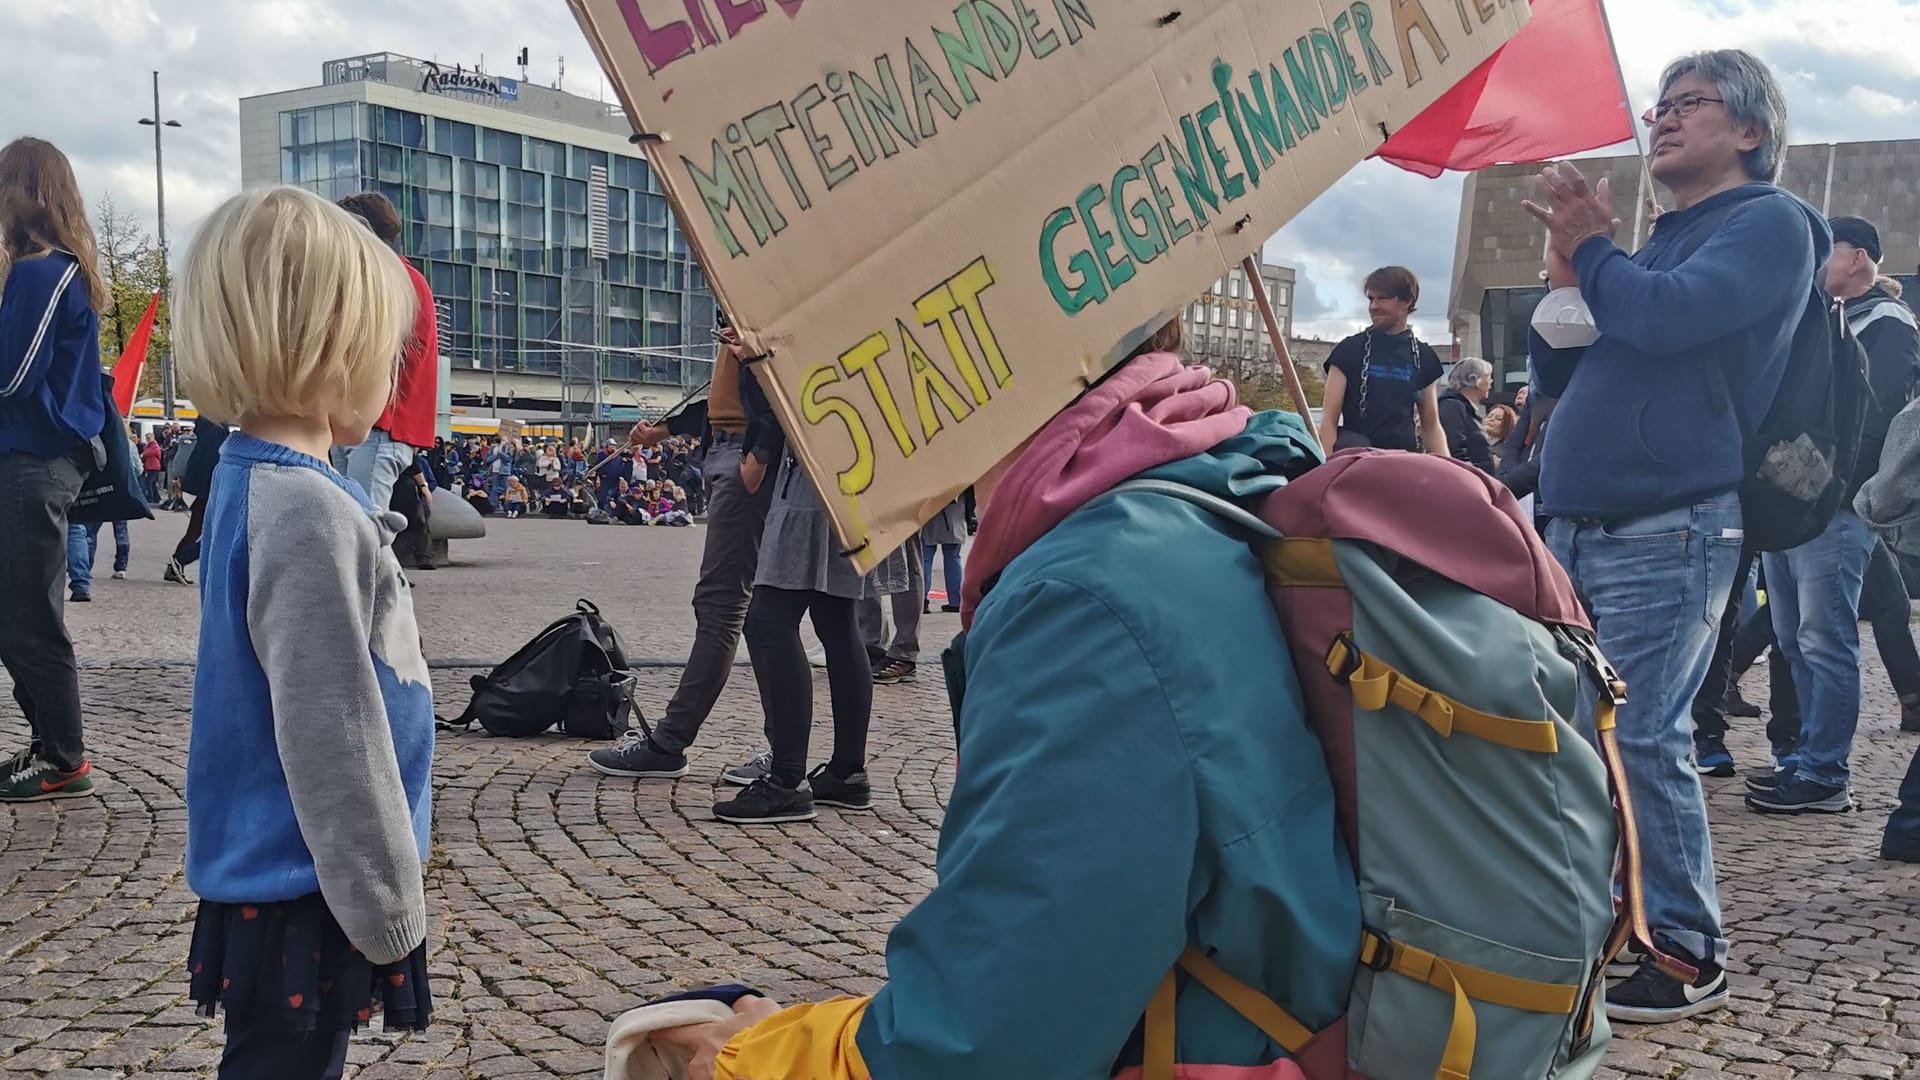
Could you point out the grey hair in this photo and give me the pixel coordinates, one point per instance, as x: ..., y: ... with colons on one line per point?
x: 1752, y: 96
x: 1468, y: 372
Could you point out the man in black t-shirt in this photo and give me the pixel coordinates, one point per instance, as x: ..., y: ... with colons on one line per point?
x: 1377, y: 378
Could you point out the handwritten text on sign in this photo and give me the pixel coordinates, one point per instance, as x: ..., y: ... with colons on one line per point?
x: 939, y: 220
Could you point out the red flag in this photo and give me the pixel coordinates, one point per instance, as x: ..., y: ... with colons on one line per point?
x: 1552, y: 90
x: 126, y: 370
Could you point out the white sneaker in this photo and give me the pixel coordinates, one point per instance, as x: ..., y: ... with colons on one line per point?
x: 119, y: 575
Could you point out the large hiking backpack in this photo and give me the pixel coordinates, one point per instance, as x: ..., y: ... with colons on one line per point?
x: 1801, y: 458
x: 1441, y: 651
x: 573, y: 674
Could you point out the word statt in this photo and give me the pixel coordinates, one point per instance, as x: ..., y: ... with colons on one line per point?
x: 935, y: 222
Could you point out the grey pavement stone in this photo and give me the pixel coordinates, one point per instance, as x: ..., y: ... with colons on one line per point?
x: 560, y: 898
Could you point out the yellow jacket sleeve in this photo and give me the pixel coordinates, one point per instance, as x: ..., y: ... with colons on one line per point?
x: 805, y: 1042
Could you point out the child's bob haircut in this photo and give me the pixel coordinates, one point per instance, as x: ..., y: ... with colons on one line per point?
x: 288, y: 307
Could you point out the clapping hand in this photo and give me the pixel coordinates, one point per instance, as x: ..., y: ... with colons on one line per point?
x: 1573, y: 215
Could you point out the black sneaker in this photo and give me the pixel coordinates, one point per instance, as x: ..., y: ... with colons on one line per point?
x: 1799, y: 795
x: 1650, y: 996
x: 766, y: 803
x: 635, y: 755
x: 896, y: 671
x: 751, y: 771
x: 1738, y: 705
x: 951, y: 609
x: 176, y: 573
x: 80, y: 596
x: 1710, y: 756
x: 852, y: 793
x: 1628, y: 962
x: 1899, y: 850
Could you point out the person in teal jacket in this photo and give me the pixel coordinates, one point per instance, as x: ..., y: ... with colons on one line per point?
x: 1135, y: 775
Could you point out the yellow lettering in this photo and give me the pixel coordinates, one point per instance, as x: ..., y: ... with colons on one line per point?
x: 937, y: 308
x: 929, y: 382
x: 968, y: 284
x: 816, y: 406
x: 864, y: 360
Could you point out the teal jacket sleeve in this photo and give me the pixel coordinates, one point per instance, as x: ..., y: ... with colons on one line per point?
x: 1064, y: 860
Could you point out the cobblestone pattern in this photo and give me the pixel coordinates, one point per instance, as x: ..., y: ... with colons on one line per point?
x: 560, y: 898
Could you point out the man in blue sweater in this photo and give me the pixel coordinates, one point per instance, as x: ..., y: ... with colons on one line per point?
x: 1641, y: 469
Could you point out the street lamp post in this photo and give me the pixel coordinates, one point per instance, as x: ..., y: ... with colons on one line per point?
x: 493, y: 397
x: 160, y: 206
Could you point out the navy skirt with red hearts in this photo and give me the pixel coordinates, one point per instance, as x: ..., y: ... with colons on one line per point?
x: 288, y: 966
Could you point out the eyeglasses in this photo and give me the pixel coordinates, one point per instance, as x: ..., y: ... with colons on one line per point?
x: 1686, y: 106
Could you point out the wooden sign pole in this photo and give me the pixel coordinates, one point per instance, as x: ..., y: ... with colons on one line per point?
x: 1287, y: 370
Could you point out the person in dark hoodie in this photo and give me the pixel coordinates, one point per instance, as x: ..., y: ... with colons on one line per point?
x: 1814, y: 590
x: 52, y: 411
x: 1468, y: 383
x: 1641, y: 471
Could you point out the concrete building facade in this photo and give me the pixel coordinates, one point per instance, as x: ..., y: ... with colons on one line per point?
x: 1224, y: 328
x: 565, y: 286
x: 1500, y: 252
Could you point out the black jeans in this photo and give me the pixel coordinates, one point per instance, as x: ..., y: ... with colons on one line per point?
x: 1710, y: 702
x: 264, y: 1054
x: 35, y: 495
x: 786, y: 679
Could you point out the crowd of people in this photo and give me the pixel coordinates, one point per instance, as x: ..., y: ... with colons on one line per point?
x: 297, y: 322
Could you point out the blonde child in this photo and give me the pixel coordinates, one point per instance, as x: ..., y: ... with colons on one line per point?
x: 310, y: 758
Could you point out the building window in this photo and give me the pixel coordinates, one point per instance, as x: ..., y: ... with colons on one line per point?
x: 630, y: 172
x: 547, y: 157
x: 454, y: 138
x: 1216, y: 315
x: 500, y: 147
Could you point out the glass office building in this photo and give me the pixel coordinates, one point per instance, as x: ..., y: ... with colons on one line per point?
x: 559, y: 270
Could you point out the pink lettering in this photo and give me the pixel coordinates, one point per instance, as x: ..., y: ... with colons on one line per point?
x: 697, y: 15
x: 736, y: 14
x: 659, y: 47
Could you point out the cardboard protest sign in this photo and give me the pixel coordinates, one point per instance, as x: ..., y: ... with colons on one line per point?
x: 935, y: 222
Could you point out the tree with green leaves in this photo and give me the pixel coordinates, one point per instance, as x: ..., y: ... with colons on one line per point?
x: 131, y: 263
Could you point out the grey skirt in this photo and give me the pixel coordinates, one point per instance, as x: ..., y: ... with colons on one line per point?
x: 799, y: 552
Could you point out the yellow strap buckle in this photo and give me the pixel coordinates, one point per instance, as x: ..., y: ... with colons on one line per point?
x: 1375, y: 684
x: 1466, y: 984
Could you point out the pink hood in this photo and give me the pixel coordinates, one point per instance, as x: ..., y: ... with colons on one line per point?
x: 1151, y: 411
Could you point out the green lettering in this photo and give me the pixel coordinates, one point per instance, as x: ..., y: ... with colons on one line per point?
x: 1090, y: 290
x: 1333, y: 79
x: 968, y: 53
x: 1191, y: 172
x: 1222, y: 79
x: 887, y: 106
x: 1117, y: 274
x: 833, y: 172
x: 843, y: 102
x: 1232, y: 185
x: 1039, y: 44
x: 1363, y: 29
x: 1306, y: 84
x: 1072, y: 13
x: 764, y: 127
x: 723, y: 189
x: 1002, y: 34
x: 1177, y: 226
x: 1293, y: 126
x: 928, y: 89
x: 1146, y: 245
x: 1259, y: 116
x: 1342, y: 23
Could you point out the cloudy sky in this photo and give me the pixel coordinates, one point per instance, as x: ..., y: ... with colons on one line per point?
x: 1849, y: 68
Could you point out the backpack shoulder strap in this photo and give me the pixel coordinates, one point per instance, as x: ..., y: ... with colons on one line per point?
x: 1207, y: 501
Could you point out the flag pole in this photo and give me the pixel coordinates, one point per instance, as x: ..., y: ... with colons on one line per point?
x: 1633, y: 124
x: 1251, y: 267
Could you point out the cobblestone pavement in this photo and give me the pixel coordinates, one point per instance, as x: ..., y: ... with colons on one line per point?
x: 560, y: 898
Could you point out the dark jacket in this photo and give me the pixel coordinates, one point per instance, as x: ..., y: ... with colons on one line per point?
x: 1695, y: 329
x: 207, y: 440
x: 1886, y: 329
x: 51, y: 401
x: 1466, y: 438
x: 1520, y: 453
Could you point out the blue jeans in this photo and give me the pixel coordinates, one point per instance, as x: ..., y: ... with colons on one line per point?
x: 1814, y: 592
x: 376, y: 464
x: 497, y: 487
x: 1656, y: 587
x: 950, y: 556
x: 83, y: 545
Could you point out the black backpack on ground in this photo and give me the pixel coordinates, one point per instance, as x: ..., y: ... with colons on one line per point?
x: 573, y: 674
x: 1801, y: 458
